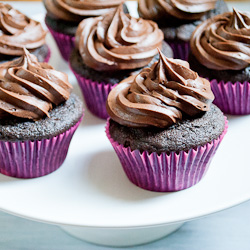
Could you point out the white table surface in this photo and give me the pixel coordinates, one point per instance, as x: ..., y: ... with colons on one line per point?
x: 227, y: 230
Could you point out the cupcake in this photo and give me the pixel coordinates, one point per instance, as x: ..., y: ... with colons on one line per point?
x: 110, y: 48
x: 178, y: 19
x: 18, y: 31
x: 163, y: 126
x: 38, y: 117
x: 220, y: 51
x: 63, y: 18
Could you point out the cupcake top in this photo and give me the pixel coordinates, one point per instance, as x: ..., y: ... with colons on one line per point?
x: 159, y: 96
x: 29, y: 89
x: 18, y: 31
x: 117, y: 41
x: 223, y: 42
x: 179, y: 9
x: 76, y: 10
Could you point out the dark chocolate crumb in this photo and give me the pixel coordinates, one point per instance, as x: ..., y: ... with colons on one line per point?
x: 187, y: 134
x: 61, y: 119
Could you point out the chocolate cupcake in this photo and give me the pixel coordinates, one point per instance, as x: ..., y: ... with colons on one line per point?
x: 19, y: 31
x: 110, y: 48
x: 220, y: 51
x: 163, y: 126
x: 38, y: 117
x: 178, y: 19
x: 63, y: 17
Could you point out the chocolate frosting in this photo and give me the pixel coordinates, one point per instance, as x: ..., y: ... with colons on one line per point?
x: 117, y: 41
x: 29, y: 89
x: 160, y: 95
x: 75, y: 10
x: 223, y: 42
x: 180, y: 9
x: 18, y: 31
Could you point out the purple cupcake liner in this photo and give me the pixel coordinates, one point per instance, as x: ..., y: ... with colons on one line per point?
x: 95, y: 95
x: 31, y: 159
x: 46, y: 59
x: 166, y: 172
x: 180, y: 49
x: 232, y: 98
x: 65, y: 43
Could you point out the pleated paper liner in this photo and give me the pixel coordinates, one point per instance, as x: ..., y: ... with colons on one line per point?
x: 166, y: 172
x: 232, y: 98
x: 46, y: 59
x: 31, y: 159
x: 95, y: 95
x: 65, y: 43
x: 180, y: 49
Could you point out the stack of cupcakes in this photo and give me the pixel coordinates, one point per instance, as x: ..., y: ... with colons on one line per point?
x: 163, y: 126
x: 63, y: 17
x: 110, y: 48
x: 178, y: 19
x: 220, y: 51
x: 18, y: 31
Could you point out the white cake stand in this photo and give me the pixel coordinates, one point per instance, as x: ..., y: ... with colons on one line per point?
x: 91, y: 198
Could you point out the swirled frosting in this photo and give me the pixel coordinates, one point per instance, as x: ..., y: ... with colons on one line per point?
x: 18, y: 31
x: 29, y: 89
x: 160, y: 95
x: 180, y: 9
x: 76, y: 10
x: 223, y: 42
x: 117, y: 41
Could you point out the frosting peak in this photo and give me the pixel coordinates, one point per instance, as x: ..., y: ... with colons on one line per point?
x: 29, y: 89
x: 18, y: 31
x: 160, y: 95
x: 180, y: 9
x: 239, y: 20
x: 117, y: 41
x: 223, y: 42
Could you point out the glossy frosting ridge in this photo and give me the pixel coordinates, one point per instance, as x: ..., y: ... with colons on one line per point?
x: 18, y: 31
x: 159, y: 96
x: 117, y: 41
x: 180, y: 9
x: 76, y: 10
x: 29, y: 89
x: 223, y: 42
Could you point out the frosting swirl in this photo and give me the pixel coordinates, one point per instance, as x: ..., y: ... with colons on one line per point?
x: 117, y: 41
x: 76, y: 10
x: 160, y: 95
x: 29, y: 89
x: 223, y: 42
x: 18, y: 31
x: 180, y: 9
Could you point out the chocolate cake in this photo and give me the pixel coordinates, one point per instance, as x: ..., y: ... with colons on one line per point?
x: 19, y: 31
x: 114, y: 77
x: 178, y: 19
x: 17, y: 129
x: 220, y: 52
x: 163, y: 126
